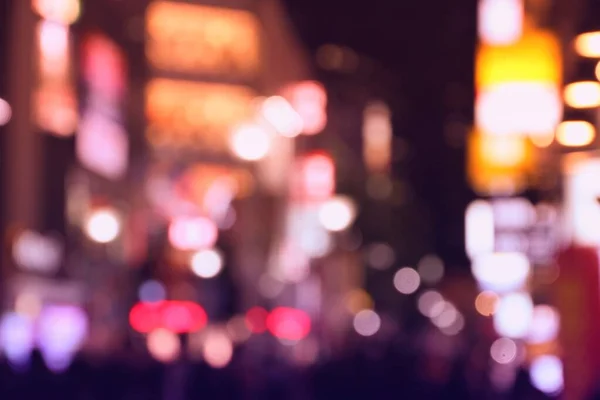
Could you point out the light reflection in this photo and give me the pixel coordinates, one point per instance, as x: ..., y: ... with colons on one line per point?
x: 407, y: 280
x: 367, y: 323
x: 503, y: 351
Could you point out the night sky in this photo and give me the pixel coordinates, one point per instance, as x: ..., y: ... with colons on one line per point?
x: 429, y: 49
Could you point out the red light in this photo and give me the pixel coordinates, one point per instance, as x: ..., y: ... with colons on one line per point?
x: 187, y: 233
x: 176, y: 316
x: 288, y: 323
x: 256, y: 319
x: 317, y: 177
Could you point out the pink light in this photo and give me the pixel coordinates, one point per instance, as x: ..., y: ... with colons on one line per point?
x: 309, y: 99
x: 317, y: 177
x: 256, y: 319
x: 174, y: 316
x: 289, y: 323
x: 103, y: 65
x: 187, y: 233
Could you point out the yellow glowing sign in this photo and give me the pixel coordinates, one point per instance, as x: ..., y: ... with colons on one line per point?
x: 499, y: 164
x: 536, y: 57
x: 190, y: 38
x: 196, y: 115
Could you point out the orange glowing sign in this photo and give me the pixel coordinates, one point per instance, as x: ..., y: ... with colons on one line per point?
x: 499, y: 164
x: 197, y: 39
x: 200, y: 178
x: 194, y: 115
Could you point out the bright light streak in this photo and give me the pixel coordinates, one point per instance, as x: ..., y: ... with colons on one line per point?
x: 5, y: 112
x: 407, y: 280
x: 103, y: 225
x: 584, y: 94
x: 54, y: 41
x: 192, y: 233
x: 503, y: 351
x: 546, y: 374
x: 500, y: 22
x: 588, y: 44
x: 63, y: 11
x: 207, y: 263
x: 163, y: 345
x: 217, y: 349
x: 367, y: 323
x: 513, y: 315
x: 522, y: 108
x: 282, y: 116
x: 501, y: 272
x: 337, y: 214
x: 545, y: 325
x: 431, y: 304
x: 250, y: 142
x: 575, y: 133
x: 479, y: 228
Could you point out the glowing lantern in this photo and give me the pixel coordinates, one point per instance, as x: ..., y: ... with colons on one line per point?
x: 288, y: 323
x: 310, y: 101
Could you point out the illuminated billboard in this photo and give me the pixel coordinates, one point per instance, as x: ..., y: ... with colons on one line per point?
x: 198, y: 116
x: 202, y: 40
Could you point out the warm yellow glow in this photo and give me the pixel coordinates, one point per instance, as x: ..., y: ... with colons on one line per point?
x: 63, y: 11
x: 583, y: 94
x: 575, y: 133
x: 498, y: 164
x: 377, y: 137
x: 198, y: 115
x: 56, y: 109
x: 598, y: 71
x: 193, y: 38
x: 536, y: 57
x: 588, y: 44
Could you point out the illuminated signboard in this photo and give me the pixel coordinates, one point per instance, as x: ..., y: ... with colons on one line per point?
x: 102, y: 143
x: 198, y: 115
x: 195, y: 39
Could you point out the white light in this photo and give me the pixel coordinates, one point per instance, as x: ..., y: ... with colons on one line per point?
x: 337, y: 214
x: 431, y: 304
x: 282, y: 116
x: 103, y: 225
x: 163, y: 345
x: 218, y: 349
x: 315, y: 242
x: 546, y: 373
x: 513, y: 214
x: 584, y: 94
x: 192, y: 233
x: 519, y: 108
x: 581, y: 208
x: 503, y: 351
x: 431, y: 269
x: 513, y: 315
x: 367, y: 323
x: 479, y: 228
x: 588, y: 44
x: 501, y: 272
x: 500, y: 21
x: 545, y: 324
x: 5, y: 112
x: 54, y: 40
x: 407, y: 280
x: 447, y: 317
x: 575, y: 133
x: 250, y: 142
x: 36, y: 252
x: 63, y: 11
x: 207, y: 263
